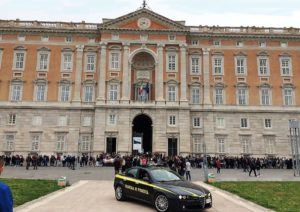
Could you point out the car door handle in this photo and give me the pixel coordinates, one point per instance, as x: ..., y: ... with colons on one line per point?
x: 136, y: 183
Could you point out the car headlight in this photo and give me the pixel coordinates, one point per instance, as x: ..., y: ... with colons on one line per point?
x: 183, y: 197
x: 208, y: 195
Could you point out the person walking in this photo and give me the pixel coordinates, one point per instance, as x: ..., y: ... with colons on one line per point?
x: 252, y: 167
x: 188, y: 168
x: 6, y: 200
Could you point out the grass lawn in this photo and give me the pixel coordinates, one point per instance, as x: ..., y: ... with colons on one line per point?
x: 27, y: 190
x: 278, y: 196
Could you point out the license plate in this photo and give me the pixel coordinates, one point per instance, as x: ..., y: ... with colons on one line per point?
x: 208, y: 201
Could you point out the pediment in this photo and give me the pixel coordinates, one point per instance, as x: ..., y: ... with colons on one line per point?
x: 143, y: 19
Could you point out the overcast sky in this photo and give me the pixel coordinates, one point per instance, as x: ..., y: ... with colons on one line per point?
x: 268, y: 13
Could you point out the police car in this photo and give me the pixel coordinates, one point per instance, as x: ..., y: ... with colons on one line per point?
x: 161, y: 187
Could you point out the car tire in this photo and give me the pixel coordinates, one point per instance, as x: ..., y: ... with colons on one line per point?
x: 161, y: 203
x: 119, y: 193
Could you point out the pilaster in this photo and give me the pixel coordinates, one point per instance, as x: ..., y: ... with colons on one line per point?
x: 126, y: 77
x: 102, y: 73
x: 183, y: 68
x: 78, y: 73
x: 207, y: 99
x: 159, y: 74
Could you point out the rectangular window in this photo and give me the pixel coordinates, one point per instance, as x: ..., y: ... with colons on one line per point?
x: 244, y: 123
x: 12, y: 119
x: 113, y: 92
x: 19, y: 60
x: 246, y: 145
x: 262, y: 44
x: 195, y: 42
x: 35, y: 143
x: 43, y: 62
x: 240, y: 66
x: 90, y: 66
x: 67, y: 62
x: 242, y: 96
x: 62, y: 121
x: 218, y: 65
x: 64, y: 93
x: 288, y: 96
x: 195, y: 65
x: 9, y: 142
x: 172, y: 37
x: 68, y: 39
x: 265, y: 96
x: 172, y: 93
x: 217, y: 43
x: 40, y: 93
x: 220, y: 122
x: 239, y: 44
x: 85, y: 142
x: 112, y: 119
x: 221, y: 144
x: 196, y: 95
x: 89, y: 93
x: 172, y: 120
x: 268, y: 123
x: 171, y: 62
x: 16, y: 92
x: 87, y: 121
x: 270, y: 144
x: 219, y: 96
x: 284, y: 44
x: 197, y: 144
x: 285, y: 64
x: 197, y: 122
x: 37, y: 120
x: 263, y: 66
x: 114, y: 60
x: 60, y: 142
x: 45, y: 38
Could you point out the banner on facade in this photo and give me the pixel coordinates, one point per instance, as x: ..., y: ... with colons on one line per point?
x: 137, y: 144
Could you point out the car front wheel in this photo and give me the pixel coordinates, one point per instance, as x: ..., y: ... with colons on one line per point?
x: 119, y: 193
x: 161, y: 203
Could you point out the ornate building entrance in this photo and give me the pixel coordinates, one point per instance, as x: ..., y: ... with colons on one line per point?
x: 142, y: 127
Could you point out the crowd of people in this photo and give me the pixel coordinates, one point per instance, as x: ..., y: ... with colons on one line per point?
x: 180, y: 164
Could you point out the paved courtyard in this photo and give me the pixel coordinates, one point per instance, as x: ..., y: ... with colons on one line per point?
x: 92, y: 189
x: 107, y: 173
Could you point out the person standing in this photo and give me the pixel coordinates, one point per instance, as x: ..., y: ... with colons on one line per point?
x: 28, y: 160
x: 6, y: 200
x: 218, y: 166
x: 188, y: 170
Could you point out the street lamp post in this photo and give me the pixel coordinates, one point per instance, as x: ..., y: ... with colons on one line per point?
x: 205, y: 171
x: 78, y: 152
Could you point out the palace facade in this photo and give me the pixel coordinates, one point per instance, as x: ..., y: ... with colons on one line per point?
x: 73, y: 88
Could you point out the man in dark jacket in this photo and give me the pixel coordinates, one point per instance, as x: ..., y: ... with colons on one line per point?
x: 6, y: 200
x: 252, y: 167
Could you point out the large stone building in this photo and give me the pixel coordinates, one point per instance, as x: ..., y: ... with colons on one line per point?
x: 72, y: 88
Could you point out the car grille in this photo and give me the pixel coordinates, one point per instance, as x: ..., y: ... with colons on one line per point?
x: 195, y: 203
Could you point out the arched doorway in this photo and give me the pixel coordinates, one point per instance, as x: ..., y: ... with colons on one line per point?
x: 143, y: 77
x: 142, y: 131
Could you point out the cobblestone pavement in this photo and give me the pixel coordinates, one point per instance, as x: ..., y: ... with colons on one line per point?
x: 107, y: 173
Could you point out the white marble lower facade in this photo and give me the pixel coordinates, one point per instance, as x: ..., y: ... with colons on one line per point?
x: 86, y: 129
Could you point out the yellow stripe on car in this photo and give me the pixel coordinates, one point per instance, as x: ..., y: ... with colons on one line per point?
x: 143, y: 183
x: 193, y: 194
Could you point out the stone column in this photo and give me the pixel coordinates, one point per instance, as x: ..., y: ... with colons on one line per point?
x: 125, y: 78
x: 207, y: 100
x: 102, y: 73
x: 78, y: 73
x: 159, y: 74
x: 183, y: 70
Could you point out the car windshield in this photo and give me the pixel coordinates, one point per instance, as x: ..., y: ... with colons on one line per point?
x: 164, y: 175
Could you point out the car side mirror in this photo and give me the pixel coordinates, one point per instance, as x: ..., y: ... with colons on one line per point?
x: 146, y: 179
